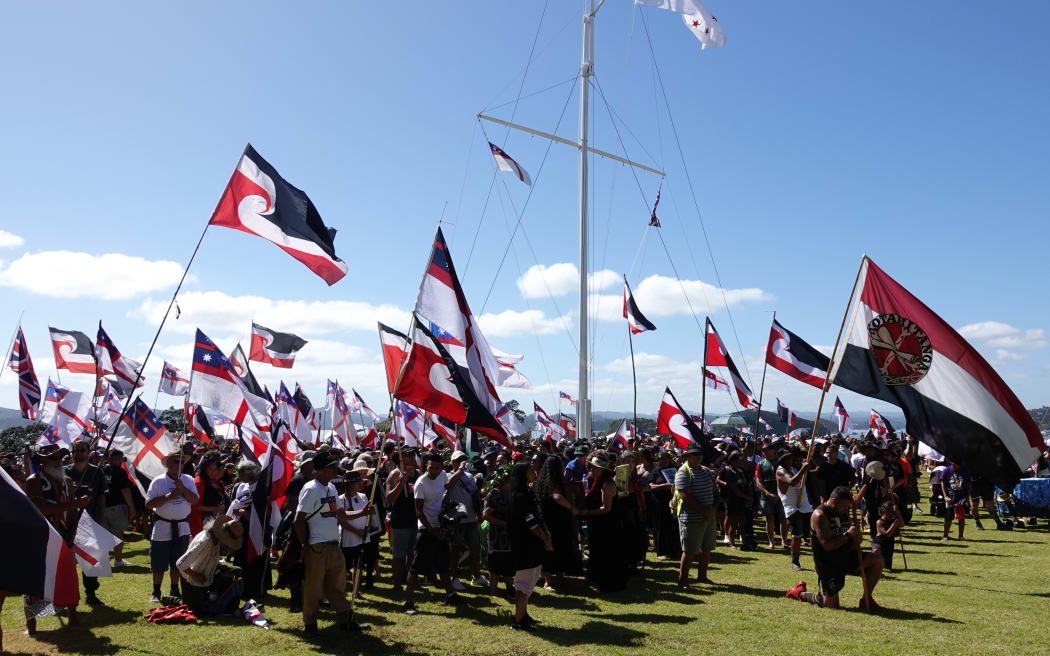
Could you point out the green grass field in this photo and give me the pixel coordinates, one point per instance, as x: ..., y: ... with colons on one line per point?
x: 986, y: 595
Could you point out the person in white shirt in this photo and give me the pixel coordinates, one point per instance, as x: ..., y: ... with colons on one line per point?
x: 352, y: 536
x: 318, y: 517
x: 432, y: 546
x: 169, y: 497
x: 797, y: 507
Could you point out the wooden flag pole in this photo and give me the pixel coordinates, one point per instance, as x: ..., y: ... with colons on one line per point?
x: 827, y: 382
x: 866, y: 600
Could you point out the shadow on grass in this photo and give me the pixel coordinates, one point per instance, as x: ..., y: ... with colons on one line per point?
x: 902, y: 614
x: 591, y: 633
x: 80, y: 640
x: 333, y: 641
x: 648, y: 618
x: 752, y: 592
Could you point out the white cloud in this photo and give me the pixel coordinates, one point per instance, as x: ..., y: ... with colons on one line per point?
x: 1005, y: 339
x: 8, y: 240
x: 71, y: 274
x: 512, y: 322
x: 220, y: 312
x: 661, y: 296
x: 542, y: 281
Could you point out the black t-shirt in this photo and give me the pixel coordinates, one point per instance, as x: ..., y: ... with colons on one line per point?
x: 91, y: 483
x: 734, y: 479
x: 834, y: 474
x: 116, y: 480
x: 525, y: 514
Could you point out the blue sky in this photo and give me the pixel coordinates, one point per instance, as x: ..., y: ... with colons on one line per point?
x: 914, y: 132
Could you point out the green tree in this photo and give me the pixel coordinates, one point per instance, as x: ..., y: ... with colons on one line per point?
x: 174, y: 419
x: 518, y: 412
x: 15, y: 438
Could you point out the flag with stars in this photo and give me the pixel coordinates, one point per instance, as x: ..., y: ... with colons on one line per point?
x: 144, y: 440
x: 697, y: 18
x: 215, y: 384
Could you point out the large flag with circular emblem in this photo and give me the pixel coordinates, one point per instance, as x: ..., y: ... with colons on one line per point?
x: 898, y: 350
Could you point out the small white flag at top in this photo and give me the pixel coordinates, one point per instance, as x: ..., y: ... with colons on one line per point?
x: 698, y: 18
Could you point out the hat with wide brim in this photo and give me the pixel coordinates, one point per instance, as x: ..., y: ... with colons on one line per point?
x: 694, y: 450
x: 601, y: 461
x: 229, y: 531
x: 177, y: 454
x: 787, y: 455
x: 49, y: 451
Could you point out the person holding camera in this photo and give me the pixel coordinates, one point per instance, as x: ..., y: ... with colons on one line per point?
x: 317, y: 520
x: 466, y: 536
x: 432, y: 546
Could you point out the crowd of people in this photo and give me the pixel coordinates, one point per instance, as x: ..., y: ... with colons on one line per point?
x: 524, y: 517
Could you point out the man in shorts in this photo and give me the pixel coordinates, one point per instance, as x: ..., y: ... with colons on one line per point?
x: 766, y: 481
x: 695, y: 488
x: 982, y: 491
x: 170, y: 497
x: 120, y: 507
x: 835, y: 554
x: 797, y: 507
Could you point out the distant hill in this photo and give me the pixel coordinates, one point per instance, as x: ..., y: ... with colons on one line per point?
x: 9, y: 418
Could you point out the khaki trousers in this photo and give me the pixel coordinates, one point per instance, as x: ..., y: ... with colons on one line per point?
x: 325, y: 575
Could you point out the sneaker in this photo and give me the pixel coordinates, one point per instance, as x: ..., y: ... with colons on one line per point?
x: 480, y: 580
x: 725, y: 540
x: 458, y: 586
x: 979, y: 527
x: 944, y: 538
x: 524, y: 626
x: 409, y: 608
x: 796, y: 592
x: 795, y: 567
x: 117, y: 564
x: 154, y: 599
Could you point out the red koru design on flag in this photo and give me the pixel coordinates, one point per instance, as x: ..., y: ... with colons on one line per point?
x: 901, y: 349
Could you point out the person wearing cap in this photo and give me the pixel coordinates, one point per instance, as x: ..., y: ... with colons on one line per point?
x: 88, y: 479
x: 575, y: 474
x: 400, y: 499
x: 695, y: 496
x: 373, y: 525
x: 352, y: 536
x: 772, y: 508
x: 317, y: 520
x: 466, y: 536
x: 797, y: 507
x: 52, y: 493
x: 170, y: 496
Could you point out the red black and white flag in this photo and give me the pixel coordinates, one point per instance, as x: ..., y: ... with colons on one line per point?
x: 653, y: 221
x: 274, y: 348
x: 28, y: 385
x: 124, y: 372
x: 257, y: 200
x: 38, y: 562
x: 879, y: 425
x: 568, y: 424
x: 673, y: 420
x: 394, y: 345
x: 786, y: 415
x: 306, y: 421
x: 507, y: 163
x: 636, y: 321
x: 361, y: 406
x: 433, y: 381
x: 200, y: 426
x: 718, y: 356
x: 789, y: 353
x: 173, y: 381
x: 899, y: 351
x: 546, y: 423
x: 442, y: 306
x: 74, y: 351
x: 842, y: 417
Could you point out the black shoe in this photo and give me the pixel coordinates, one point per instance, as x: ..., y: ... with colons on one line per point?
x: 92, y: 600
x: 295, y: 610
x: 530, y: 619
x: 978, y: 524
x: 351, y: 625
x: 523, y: 626
x: 310, y: 629
x: 453, y: 599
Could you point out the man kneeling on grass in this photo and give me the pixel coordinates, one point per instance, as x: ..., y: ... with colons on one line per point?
x: 835, y: 554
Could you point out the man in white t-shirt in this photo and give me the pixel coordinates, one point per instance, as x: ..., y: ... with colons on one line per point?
x: 432, y: 546
x: 318, y: 517
x: 797, y: 508
x: 169, y: 497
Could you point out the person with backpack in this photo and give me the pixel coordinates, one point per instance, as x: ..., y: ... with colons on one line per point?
x: 694, y: 504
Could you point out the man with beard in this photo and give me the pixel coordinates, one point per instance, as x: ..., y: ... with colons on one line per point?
x: 51, y: 492
x: 170, y: 497
x: 88, y: 481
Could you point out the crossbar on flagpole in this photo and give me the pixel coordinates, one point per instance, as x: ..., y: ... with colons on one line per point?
x: 569, y: 142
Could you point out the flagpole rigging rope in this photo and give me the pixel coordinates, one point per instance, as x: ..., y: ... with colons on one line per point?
x: 692, y: 192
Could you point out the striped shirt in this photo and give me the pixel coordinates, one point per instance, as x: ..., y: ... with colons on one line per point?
x: 700, y: 486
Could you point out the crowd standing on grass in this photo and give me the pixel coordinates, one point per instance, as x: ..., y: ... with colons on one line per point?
x: 505, y: 520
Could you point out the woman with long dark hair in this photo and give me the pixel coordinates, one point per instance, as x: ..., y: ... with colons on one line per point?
x: 211, y: 495
x: 529, y: 541
x: 607, y: 565
x: 559, y: 513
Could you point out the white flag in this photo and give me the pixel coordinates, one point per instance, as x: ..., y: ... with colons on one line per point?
x: 92, y: 545
x: 697, y: 18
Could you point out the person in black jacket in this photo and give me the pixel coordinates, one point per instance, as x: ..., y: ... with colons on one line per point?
x: 529, y: 540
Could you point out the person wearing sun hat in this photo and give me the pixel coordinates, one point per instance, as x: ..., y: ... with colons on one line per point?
x: 797, y: 506
x: 607, y: 566
x: 198, y: 565
x: 170, y: 497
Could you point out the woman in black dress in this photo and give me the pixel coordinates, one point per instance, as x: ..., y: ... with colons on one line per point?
x: 665, y: 524
x: 559, y: 514
x: 607, y: 566
x: 529, y: 540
